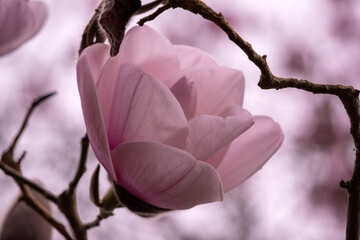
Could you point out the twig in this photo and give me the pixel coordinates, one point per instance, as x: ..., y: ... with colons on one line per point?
x: 81, y: 166
x: 154, y: 15
x: 148, y: 7
x: 97, y: 221
x: 12, y: 168
x: 67, y: 200
x: 67, y: 205
x: 35, y: 103
x: 20, y: 178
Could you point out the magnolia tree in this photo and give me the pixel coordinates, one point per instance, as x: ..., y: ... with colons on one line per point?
x: 166, y: 121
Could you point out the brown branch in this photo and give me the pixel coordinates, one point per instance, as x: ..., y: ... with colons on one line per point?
x: 96, y: 222
x: 34, y: 104
x: 154, y: 15
x: 32, y: 202
x: 67, y: 200
x: 149, y: 6
x: 12, y: 168
x: 81, y: 166
x: 68, y: 206
x: 20, y: 178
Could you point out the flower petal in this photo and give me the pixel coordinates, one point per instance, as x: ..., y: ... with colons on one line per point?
x: 39, y: 11
x: 182, y: 90
x: 164, y: 176
x: 144, y: 109
x: 193, y: 57
x: 208, y: 134
x: 216, y: 88
x: 92, y: 114
x: 97, y: 55
x: 249, y: 152
x: 152, y: 52
x: 19, y: 21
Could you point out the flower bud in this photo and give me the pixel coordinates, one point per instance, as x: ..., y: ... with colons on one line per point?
x: 22, y: 222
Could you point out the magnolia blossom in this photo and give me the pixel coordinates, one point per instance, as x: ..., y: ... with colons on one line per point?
x: 167, y: 123
x: 20, y: 20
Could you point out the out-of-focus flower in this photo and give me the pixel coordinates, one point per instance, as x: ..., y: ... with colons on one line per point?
x: 22, y: 222
x: 20, y: 20
x: 167, y: 123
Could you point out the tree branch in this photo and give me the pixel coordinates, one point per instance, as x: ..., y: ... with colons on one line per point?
x: 34, y: 104
x: 20, y: 178
x: 81, y: 166
x: 12, y: 168
x: 99, y: 218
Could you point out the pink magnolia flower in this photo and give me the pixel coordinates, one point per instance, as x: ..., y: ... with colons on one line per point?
x: 167, y: 123
x: 20, y: 20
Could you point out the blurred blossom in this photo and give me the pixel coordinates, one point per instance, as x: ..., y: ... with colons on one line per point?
x: 167, y: 123
x: 22, y: 222
x: 20, y: 20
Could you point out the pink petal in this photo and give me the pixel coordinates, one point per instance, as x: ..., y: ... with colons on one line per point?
x: 97, y: 56
x: 92, y: 114
x: 106, y: 86
x: 164, y: 176
x: 19, y: 21
x: 217, y: 158
x: 40, y: 14
x: 216, y: 88
x: 182, y: 90
x: 191, y: 57
x: 250, y: 151
x: 152, y: 52
x: 208, y: 134
x: 144, y: 109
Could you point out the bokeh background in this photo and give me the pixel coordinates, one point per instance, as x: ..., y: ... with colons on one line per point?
x: 295, y: 196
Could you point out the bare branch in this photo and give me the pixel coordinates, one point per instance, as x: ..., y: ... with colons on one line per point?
x: 35, y: 103
x: 20, y: 178
x: 96, y: 222
x: 154, y: 15
x: 82, y: 164
x: 149, y: 6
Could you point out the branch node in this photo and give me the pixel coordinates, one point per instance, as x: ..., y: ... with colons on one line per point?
x: 344, y: 184
x: 19, y: 161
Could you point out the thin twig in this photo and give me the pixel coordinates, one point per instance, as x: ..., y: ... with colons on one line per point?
x: 148, y: 7
x: 20, y: 178
x: 97, y: 221
x: 35, y: 103
x: 82, y: 164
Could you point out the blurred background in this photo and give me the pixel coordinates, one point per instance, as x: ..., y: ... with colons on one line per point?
x: 295, y: 196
